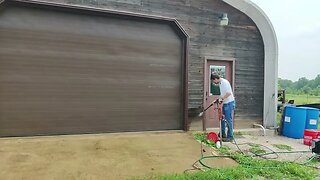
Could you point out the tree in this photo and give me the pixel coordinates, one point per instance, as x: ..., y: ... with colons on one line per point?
x: 302, y: 86
x: 315, y: 92
x: 317, y: 81
x: 284, y: 83
x: 301, y: 83
x: 306, y: 90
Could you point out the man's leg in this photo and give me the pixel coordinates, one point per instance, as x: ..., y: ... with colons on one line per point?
x: 227, y: 111
x: 223, y: 128
x: 223, y: 125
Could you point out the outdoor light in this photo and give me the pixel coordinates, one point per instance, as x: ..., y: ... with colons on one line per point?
x: 224, y: 20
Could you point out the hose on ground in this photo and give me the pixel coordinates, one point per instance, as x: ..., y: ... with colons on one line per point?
x: 255, y: 154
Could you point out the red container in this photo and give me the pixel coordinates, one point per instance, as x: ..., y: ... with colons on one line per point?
x: 309, y: 135
x: 213, y: 137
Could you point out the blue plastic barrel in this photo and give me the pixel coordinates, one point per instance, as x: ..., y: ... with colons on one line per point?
x: 294, y: 122
x: 312, y: 118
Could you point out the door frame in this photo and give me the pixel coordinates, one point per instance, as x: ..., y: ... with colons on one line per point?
x: 205, y: 78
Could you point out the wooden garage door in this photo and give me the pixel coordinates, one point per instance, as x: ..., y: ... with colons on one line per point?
x: 67, y: 72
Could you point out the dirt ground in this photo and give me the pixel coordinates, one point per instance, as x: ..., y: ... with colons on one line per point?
x: 105, y: 156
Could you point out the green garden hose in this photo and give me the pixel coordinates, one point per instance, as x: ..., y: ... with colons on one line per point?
x: 248, y: 165
x: 260, y: 155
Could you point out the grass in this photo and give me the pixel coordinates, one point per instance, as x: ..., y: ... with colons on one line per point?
x: 202, y: 137
x: 278, y: 118
x: 249, y: 168
x: 238, y: 134
x: 282, y: 147
x: 303, y: 99
x: 287, y: 171
x: 256, y: 149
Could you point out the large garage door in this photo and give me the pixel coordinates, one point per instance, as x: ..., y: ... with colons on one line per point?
x: 66, y: 72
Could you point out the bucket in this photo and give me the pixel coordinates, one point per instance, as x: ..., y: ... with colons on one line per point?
x: 309, y: 135
x: 213, y: 137
x: 294, y: 122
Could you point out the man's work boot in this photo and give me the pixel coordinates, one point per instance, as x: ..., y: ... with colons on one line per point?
x: 227, y: 139
x: 223, y: 136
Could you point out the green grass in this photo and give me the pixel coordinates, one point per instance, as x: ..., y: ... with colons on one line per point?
x: 256, y: 149
x: 282, y: 147
x: 202, y: 137
x: 303, y: 99
x: 287, y: 171
x: 278, y: 118
x: 249, y: 168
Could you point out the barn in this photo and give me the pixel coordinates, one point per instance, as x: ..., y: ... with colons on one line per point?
x: 99, y: 66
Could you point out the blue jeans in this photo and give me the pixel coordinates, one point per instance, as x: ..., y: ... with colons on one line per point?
x: 227, y: 110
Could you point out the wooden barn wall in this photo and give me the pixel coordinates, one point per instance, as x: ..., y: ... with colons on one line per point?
x: 200, y: 18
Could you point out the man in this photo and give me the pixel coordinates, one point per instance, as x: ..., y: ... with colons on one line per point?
x: 227, y: 98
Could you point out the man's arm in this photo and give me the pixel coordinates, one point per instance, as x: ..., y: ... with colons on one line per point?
x: 221, y: 99
x: 226, y: 96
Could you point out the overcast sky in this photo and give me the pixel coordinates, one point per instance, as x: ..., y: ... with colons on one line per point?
x: 297, y: 25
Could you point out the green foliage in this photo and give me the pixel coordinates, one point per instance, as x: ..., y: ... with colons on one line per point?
x: 224, y: 150
x: 278, y: 118
x: 202, y: 137
x: 256, y: 149
x: 303, y: 99
x: 249, y: 168
x: 282, y: 147
x: 302, y: 86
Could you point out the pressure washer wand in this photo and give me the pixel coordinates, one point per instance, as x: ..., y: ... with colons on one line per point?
x: 200, y: 114
x: 216, y: 101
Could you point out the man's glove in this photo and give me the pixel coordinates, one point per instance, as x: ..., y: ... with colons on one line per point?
x: 218, y: 101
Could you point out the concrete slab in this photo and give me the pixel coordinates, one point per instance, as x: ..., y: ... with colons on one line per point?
x: 104, y: 156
